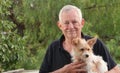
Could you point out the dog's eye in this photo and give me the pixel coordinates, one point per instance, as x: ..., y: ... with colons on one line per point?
x: 82, y: 49
x: 88, y: 49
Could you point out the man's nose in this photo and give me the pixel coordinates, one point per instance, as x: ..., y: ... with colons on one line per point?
x: 71, y: 25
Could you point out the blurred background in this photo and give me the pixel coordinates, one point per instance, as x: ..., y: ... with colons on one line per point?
x: 27, y: 27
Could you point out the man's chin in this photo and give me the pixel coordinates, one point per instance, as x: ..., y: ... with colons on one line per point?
x: 72, y: 37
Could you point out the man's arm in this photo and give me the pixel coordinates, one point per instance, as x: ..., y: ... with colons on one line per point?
x: 116, y: 69
x: 74, y: 67
x: 102, y: 50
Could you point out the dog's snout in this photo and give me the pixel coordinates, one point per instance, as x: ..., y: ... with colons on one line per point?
x: 86, y: 55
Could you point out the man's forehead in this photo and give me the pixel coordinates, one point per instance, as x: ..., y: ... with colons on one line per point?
x: 70, y: 16
x: 70, y: 11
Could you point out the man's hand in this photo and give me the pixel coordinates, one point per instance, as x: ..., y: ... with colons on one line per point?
x: 75, y: 67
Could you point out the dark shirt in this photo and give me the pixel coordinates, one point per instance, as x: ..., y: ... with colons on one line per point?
x: 56, y: 57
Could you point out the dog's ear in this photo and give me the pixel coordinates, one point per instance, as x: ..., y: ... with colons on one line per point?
x: 75, y: 41
x: 92, y: 41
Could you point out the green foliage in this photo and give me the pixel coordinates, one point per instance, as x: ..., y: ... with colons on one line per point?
x: 104, y: 14
x: 114, y: 49
x: 12, y: 49
x: 27, y: 27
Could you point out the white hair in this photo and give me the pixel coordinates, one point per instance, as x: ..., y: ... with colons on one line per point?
x: 68, y: 8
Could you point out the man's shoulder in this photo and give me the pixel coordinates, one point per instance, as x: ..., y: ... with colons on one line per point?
x: 55, y: 44
x: 87, y: 37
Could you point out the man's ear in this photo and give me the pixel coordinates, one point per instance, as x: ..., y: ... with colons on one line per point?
x: 82, y: 22
x: 59, y: 25
x: 92, y: 41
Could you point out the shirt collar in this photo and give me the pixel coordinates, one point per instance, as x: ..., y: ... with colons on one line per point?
x: 62, y: 38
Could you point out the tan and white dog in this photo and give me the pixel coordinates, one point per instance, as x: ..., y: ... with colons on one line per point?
x: 82, y: 50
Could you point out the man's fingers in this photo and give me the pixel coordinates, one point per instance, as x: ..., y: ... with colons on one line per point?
x: 80, y: 65
x: 75, y: 67
x: 80, y: 70
x: 76, y: 63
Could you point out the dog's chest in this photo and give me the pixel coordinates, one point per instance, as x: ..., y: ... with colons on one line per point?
x: 91, y: 67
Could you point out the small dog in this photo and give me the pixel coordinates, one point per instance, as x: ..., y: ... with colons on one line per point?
x: 82, y: 50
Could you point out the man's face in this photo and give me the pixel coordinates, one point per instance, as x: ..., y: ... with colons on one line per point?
x: 71, y: 24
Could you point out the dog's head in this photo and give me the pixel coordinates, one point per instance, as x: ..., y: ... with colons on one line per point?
x: 82, y: 48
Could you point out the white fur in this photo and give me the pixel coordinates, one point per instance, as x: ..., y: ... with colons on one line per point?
x: 98, y: 62
x: 92, y: 61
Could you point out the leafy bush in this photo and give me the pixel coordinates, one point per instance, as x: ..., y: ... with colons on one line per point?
x: 12, y: 49
x: 114, y: 49
x: 27, y: 27
x: 12, y: 45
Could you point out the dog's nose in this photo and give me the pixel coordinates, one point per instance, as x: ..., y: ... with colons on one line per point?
x: 86, y: 55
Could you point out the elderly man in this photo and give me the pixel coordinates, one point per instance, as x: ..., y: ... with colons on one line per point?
x: 57, y: 58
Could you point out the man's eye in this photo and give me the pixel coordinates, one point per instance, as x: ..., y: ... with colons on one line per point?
x: 74, y: 22
x: 66, y: 23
